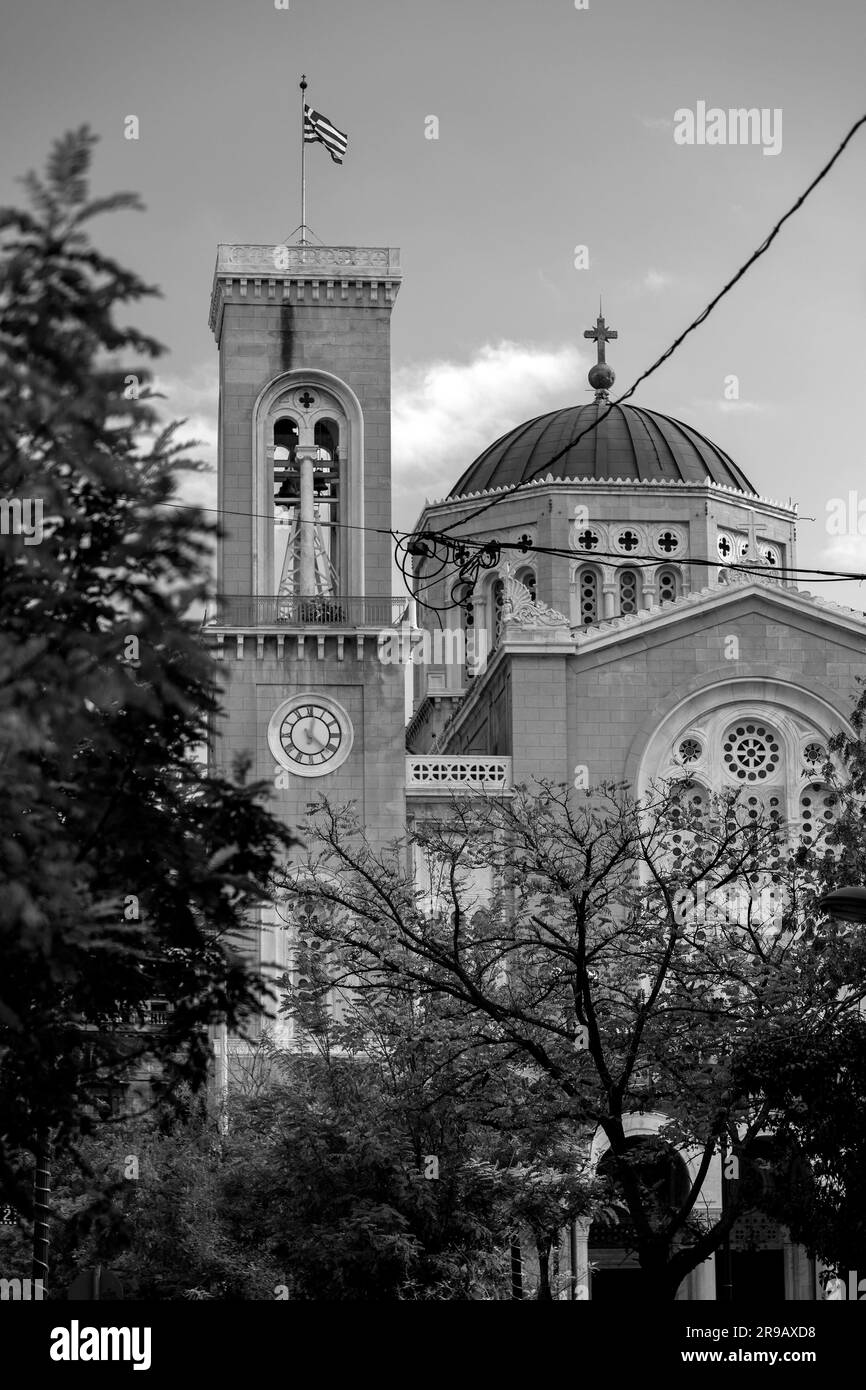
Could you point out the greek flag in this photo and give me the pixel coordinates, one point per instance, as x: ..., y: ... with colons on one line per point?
x: 318, y: 127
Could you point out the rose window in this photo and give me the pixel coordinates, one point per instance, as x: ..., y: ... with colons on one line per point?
x: 815, y: 753
x: 689, y: 750
x: 668, y: 542
x: 588, y: 540
x: 751, y: 752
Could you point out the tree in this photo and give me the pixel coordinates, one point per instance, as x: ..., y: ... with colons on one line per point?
x: 816, y: 1083
x: 626, y: 955
x: 126, y: 870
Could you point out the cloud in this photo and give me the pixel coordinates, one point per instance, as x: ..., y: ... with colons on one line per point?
x: 445, y: 413
x: 845, y: 552
x: 657, y: 280
x: 195, y: 399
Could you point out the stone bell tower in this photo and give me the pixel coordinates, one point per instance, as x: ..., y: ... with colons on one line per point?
x: 304, y: 561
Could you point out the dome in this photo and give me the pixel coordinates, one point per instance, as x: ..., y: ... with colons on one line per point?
x: 631, y: 443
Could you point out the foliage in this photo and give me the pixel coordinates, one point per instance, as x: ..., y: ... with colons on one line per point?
x: 125, y: 870
x: 618, y: 952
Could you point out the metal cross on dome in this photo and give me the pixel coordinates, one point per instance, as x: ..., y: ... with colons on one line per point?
x: 600, y: 335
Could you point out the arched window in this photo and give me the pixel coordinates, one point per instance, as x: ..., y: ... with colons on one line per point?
x: 496, y: 604
x: 664, y: 1182
x: 326, y: 493
x: 628, y: 592
x: 587, y: 592
x: 668, y: 582
x: 686, y: 816
x: 817, y: 812
x: 286, y: 486
x: 526, y: 577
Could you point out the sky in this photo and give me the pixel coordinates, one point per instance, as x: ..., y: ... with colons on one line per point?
x: 556, y: 130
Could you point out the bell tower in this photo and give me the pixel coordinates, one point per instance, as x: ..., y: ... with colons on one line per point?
x: 304, y: 560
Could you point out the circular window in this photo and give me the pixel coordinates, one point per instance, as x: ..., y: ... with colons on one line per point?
x: 815, y: 753
x: 628, y: 541
x: 689, y: 750
x: 588, y: 540
x: 751, y: 752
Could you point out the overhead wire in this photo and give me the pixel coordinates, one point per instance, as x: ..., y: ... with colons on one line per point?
x: 678, y: 341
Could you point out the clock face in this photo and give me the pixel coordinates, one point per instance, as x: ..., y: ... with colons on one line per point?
x: 310, y: 735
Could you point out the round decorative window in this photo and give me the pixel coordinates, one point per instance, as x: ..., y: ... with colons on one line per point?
x: 726, y: 547
x: 668, y: 542
x: 751, y: 752
x: 815, y: 753
x: 689, y: 750
x: 587, y: 539
x: 628, y: 540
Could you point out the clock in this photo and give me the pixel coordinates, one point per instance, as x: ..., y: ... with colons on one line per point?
x: 311, y: 735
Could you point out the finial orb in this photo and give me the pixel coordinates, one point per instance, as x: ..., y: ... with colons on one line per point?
x: 601, y: 376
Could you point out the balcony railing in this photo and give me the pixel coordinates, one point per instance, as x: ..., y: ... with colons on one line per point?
x: 297, y: 610
x: 471, y: 772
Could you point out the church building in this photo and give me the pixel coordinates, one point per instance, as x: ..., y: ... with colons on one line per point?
x: 636, y: 653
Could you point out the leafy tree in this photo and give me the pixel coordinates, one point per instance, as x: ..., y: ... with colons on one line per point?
x: 816, y: 1082
x: 125, y: 869
x: 623, y: 954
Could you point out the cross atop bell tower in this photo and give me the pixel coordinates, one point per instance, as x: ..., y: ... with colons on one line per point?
x: 601, y: 376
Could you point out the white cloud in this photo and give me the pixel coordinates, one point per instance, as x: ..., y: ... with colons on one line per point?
x: 845, y: 552
x: 657, y: 280
x: 194, y: 399
x: 445, y: 413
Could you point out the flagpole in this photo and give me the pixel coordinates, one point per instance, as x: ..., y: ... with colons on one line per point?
x: 303, y: 236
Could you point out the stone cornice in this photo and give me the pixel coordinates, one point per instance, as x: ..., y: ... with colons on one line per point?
x: 614, y: 631
x: 276, y: 273
x: 660, y: 486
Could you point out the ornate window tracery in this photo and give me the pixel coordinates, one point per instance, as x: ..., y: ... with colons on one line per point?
x: 587, y: 588
x: 668, y: 582
x: 817, y: 811
x: 628, y: 592
x: 751, y: 752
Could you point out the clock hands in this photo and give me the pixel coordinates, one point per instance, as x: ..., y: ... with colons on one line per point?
x: 312, y: 742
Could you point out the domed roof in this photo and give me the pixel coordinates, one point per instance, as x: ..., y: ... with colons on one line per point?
x: 630, y: 443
